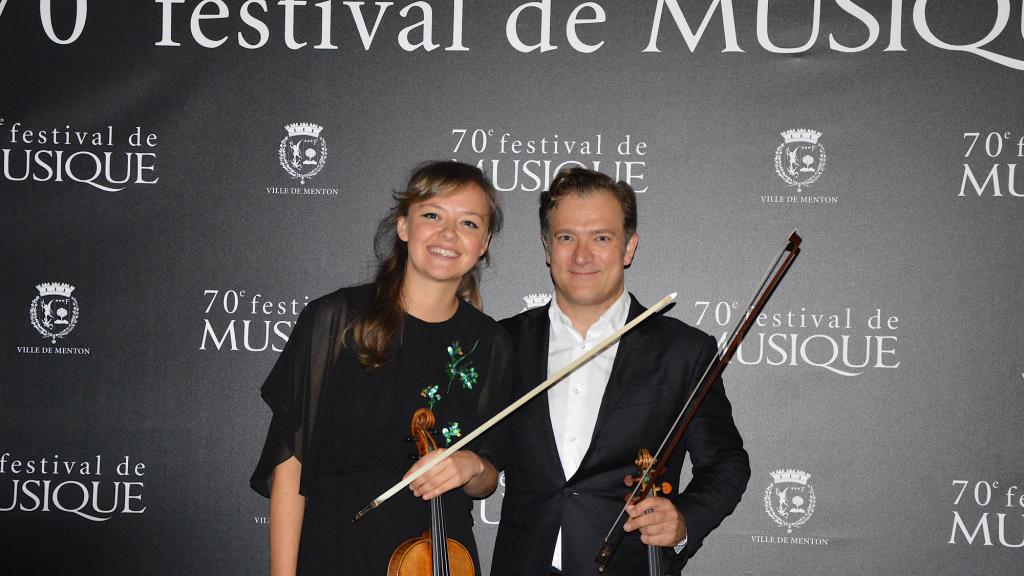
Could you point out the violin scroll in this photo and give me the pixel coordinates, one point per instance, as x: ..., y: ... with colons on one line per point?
x: 420, y: 429
x: 645, y: 461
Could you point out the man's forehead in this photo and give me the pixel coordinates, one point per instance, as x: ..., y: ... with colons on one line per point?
x: 593, y: 207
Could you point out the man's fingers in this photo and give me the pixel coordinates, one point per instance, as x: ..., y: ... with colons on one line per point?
x: 642, y: 518
x: 645, y: 520
x: 644, y: 506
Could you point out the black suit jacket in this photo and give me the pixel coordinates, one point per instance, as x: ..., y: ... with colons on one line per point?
x: 656, y: 366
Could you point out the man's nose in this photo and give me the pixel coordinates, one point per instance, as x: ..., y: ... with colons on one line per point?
x: 582, y: 253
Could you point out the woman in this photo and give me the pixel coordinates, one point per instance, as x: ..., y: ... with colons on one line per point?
x: 357, y: 365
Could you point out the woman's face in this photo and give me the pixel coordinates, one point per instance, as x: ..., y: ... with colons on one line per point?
x: 446, y: 235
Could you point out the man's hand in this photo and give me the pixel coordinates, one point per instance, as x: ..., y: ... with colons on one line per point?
x: 657, y: 519
x: 458, y: 470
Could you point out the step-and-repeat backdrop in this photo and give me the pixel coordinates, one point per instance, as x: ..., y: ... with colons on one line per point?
x: 180, y: 177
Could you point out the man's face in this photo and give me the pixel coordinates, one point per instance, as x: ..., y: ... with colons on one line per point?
x: 587, y: 251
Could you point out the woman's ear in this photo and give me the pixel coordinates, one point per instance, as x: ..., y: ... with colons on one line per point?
x: 402, y: 228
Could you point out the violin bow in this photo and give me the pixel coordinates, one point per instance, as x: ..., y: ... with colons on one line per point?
x: 713, y: 371
x: 557, y: 377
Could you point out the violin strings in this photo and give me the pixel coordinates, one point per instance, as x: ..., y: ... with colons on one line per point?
x: 442, y: 539
x: 654, y: 560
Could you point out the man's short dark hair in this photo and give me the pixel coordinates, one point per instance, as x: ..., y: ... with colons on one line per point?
x: 580, y: 181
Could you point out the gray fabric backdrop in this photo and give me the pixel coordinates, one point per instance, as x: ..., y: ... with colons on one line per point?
x: 151, y: 203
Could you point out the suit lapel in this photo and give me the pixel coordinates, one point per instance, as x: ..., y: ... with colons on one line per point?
x: 626, y: 356
x: 634, y: 348
x: 534, y: 366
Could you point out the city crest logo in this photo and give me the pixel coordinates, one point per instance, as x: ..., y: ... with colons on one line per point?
x: 54, y: 312
x: 800, y: 159
x: 535, y: 301
x: 303, y: 152
x: 789, y: 498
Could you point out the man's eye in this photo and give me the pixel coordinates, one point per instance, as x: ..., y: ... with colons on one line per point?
x: 603, y: 238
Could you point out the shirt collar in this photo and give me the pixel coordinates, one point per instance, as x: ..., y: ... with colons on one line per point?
x: 612, y: 319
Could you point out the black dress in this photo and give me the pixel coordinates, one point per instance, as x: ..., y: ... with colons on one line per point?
x: 349, y: 427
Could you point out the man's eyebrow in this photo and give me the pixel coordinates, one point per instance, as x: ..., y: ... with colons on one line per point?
x: 598, y: 231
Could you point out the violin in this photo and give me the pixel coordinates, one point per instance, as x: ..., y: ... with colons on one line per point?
x: 726, y: 350
x: 644, y: 462
x: 433, y: 553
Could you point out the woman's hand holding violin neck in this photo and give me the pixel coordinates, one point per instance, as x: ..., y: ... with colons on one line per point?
x: 464, y: 468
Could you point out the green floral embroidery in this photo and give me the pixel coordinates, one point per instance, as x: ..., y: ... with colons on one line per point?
x: 464, y: 374
x: 459, y: 368
x: 432, y: 396
x: 451, y: 431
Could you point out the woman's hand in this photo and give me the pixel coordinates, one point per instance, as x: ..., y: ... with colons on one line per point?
x: 465, y: 469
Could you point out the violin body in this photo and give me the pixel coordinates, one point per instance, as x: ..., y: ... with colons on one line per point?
x: 415, y: 557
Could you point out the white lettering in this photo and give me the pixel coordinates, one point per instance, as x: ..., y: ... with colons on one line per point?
x: 982, y: 525
x: 289, y: 22
x: 325, y: 26
x: 198, y: 16
x: 766, y: 42
x: 862, y: 15
x: 357, y: 14
x: 255, y: 24
x: 165, y: 19
x: 427, y: 43
x: 993, y: 177
x: 1002, y: 18
x: 574, y: 19
x: 45, y: 14
x: 691, y: 37
x: 512, y: 32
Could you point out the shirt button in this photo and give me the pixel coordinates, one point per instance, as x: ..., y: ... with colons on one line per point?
x: 572, y: 438
x: 576, y: 390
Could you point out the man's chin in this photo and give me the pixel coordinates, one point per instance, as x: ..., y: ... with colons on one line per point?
x: 584, y: 299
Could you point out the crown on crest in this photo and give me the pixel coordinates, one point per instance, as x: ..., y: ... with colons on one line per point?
x: 304, y: 129
x: 535, y: 300
x: 55, y: 289
x: 801, y: 135
x: 795, y: 476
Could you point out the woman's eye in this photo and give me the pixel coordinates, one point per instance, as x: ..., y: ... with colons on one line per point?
x: 471, y: 224
x: 430, y: 215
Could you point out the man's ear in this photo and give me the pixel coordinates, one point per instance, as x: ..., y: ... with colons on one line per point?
x: 627, y: 258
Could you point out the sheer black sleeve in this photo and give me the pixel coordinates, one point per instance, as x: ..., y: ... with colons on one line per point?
x: 293, y: 388
x: 496, y: 396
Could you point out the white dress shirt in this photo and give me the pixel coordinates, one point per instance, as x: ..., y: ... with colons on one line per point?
x: 575, y: 401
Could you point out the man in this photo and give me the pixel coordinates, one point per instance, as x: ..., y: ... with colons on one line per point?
x: 566, y: 453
